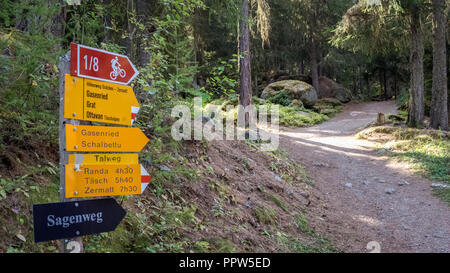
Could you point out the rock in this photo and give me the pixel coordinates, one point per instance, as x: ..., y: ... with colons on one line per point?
x: 331, y: 101
x: 289, y: 192
x: 304, y: 194
x: 277, y: 178
x: 441, y: 186
x: 379, y: 179
x: 390, y: 191
x: 331, y: 89
x: 402, y: 183
x: 321, y: 164
x: 296, y: 103
x: 21, y: 237
x: 349, y: 185
x: 366, y: 182
x: 381, y: 151
x: 164, y: 168
x: 248, y: 203
x: 295, y: 90
x: 343, y: 95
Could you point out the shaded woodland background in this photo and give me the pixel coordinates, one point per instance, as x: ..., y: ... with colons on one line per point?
x: 190, y: 48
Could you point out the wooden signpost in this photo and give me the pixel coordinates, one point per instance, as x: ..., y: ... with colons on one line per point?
x: 93, y: 89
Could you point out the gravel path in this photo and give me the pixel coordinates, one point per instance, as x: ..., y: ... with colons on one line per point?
x: 363, y: 200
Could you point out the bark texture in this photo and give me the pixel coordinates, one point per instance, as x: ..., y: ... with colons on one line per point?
x: 245, y: 65
x: 439, y: 110
x: 416, y: 100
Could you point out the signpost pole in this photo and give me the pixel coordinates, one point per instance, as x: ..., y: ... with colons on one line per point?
x: 74, y: 245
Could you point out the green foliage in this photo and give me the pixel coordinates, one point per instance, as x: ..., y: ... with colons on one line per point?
x: 85, y: 23
x: 294, y: 117
x: 221, y: 81
x: 277, y: 200
x: 432, y: 156
x: 302, y: 224
x: 281, y: 98
x: 266, y: 216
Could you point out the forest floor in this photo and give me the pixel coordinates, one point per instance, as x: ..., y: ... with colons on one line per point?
x: 363, y: 194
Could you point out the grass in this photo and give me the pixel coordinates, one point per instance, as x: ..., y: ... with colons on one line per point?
x: 276, y: 199
x: 294, y: 117
x: 266, y: 216
x: 301, y: 223
x: 291, y: 172
x: 428, y: 151
x: 315, y: 243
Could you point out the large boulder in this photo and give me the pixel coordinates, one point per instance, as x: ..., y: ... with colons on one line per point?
x: 295, y: 90
x: 331, y: 89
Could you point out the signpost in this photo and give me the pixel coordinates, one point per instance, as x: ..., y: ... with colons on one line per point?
x: 97, y: 64
x: 73, y: 219
x: 95, y: 90
x: 98, y: 101
x: 84, y: 138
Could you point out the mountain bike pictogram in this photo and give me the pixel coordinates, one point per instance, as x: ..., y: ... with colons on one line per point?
x: 117, y: 71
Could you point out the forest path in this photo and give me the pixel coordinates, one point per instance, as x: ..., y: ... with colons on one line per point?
x: 351, y: 203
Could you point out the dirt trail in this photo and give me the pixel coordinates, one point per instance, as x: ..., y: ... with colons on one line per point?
x: 351, y: 202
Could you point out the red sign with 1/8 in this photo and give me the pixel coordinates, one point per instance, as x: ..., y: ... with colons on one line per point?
x: 97, y: 64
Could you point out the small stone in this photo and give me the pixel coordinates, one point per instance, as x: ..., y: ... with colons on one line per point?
x: 248, y: 203
x: 21, y: 237
x: 164, y: 168
x: 277, y: 177
x: 366, y: 182
x: 289, y: 191
x: 442, y: 186
x: 349, y: 185
x: 390, y: 191
x: 320, y: 164
x: 381, y: 151
x: 304, y: 194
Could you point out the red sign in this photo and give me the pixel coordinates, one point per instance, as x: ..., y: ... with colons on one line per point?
x: 97, y: 64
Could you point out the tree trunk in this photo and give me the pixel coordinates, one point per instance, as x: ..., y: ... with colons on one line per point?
x: 143, y: 53
x: 439, y: 114
x: 130, y: 28
x: 245, y: 66
x: 416, y: 101
x: 108, y: 23
x: 314, y: 65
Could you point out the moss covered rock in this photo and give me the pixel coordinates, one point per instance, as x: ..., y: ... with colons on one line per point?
x: 295, y: 90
